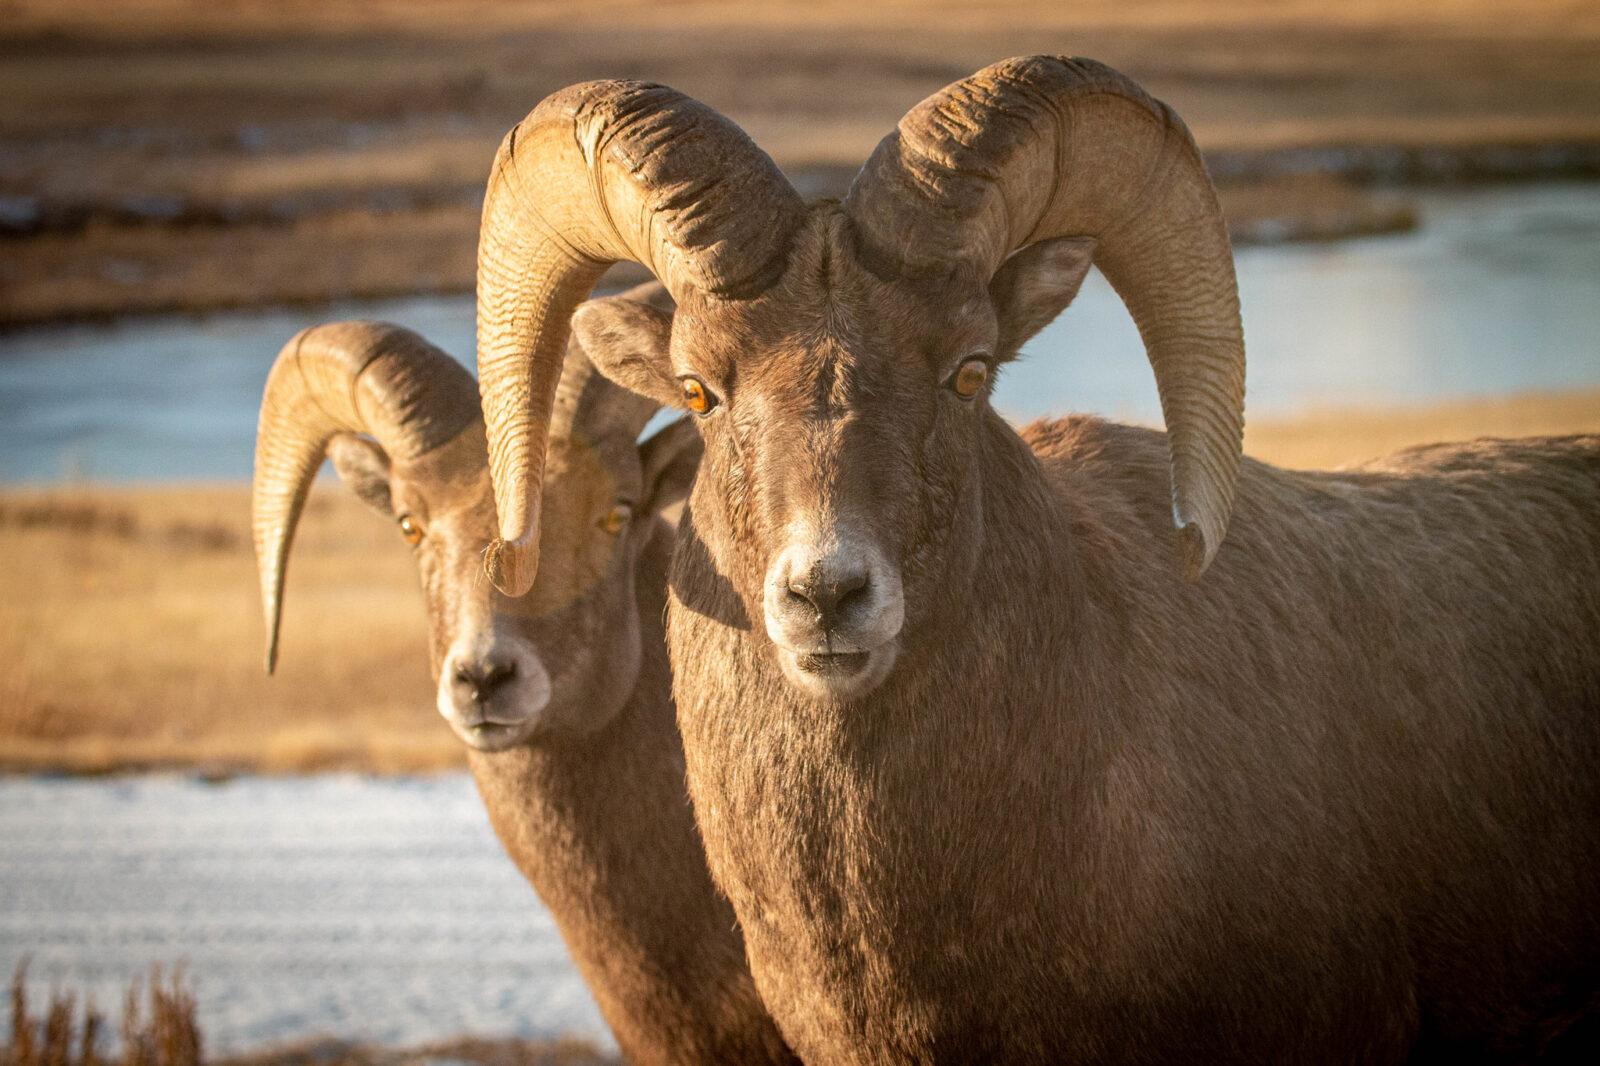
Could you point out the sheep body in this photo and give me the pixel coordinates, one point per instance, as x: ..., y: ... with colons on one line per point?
x: 1335, y: 802
x: 983, y: 780
x: 563, y: 695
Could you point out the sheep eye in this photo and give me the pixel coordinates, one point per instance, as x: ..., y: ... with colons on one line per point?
x: 616, y: 519
x: 969, y: 378
x: 696, y: 397
x: 410, y: 530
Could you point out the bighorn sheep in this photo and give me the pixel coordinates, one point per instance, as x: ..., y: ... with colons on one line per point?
x: 562, y: 696
x: 983, y: 780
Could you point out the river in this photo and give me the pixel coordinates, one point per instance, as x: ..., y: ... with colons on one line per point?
x: 1496, y: 292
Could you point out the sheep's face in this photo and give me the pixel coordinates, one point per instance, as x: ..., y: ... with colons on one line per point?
x: 563, y: 658
x: 842, y: 414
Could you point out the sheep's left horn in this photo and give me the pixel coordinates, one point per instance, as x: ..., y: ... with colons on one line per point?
x: 598, y: 173
x: 344, y: 377
x: 1041, y: 147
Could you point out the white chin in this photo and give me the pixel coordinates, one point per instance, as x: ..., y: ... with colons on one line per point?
x: 838, y: 677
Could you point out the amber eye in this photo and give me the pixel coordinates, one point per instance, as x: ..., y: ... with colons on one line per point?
x: 696, y: 397
x: 614, y: 520
x: 969, y: 378
x: 409, y: 529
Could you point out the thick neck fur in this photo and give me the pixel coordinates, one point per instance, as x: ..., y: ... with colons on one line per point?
x: 1096, y: 814
x: 600, y: 824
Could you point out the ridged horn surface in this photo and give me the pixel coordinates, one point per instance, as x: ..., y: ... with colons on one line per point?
x: 344, y: 377
x: 1040, y: 147
x: 597, y: 173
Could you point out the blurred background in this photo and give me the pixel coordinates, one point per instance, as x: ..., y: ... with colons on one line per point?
x: 184, y: 184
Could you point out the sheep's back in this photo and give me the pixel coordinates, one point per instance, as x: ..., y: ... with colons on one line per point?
x: 1396, y: 666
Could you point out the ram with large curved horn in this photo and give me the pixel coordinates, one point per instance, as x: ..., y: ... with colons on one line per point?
x: 982, y: 780
x: 563, y: 696
x: 343, y: 378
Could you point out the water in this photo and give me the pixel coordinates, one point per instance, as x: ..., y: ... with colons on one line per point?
x: 1496, y: 293
x: 365, y: 908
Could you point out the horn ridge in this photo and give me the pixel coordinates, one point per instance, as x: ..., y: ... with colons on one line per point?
x: 596, y: 173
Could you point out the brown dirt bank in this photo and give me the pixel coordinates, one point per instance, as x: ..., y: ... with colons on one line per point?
x: 131, y: 638
x: 169, y: 155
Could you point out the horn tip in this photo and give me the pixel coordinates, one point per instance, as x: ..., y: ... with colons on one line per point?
x: 1194, y: 554
x: 511, y: 565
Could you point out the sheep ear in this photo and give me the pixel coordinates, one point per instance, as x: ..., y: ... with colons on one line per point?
x: 1034, y: 286
x: 670, y: 459
x: 628, y: 342
x: 364, y: 468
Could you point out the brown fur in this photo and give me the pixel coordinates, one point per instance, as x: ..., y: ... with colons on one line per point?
x: 592, y: 805
x: 1335, y: 802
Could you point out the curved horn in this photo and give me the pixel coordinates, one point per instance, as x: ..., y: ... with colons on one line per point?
x: 345, y: 377
x: 596, y: 173
x: 1044, y: 146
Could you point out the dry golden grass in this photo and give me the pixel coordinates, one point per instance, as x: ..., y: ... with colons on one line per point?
x: 1325, y: 439
x: 168, y: 1036
x: 131, y: 636
x: 109, y: 270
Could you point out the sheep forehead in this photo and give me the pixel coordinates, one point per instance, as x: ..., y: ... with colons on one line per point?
x: 831, y: 327
x: 450, y: 489
x: 575, y: 553
x: 449, y: 483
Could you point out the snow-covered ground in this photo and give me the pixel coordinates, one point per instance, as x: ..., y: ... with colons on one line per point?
x: 358, y: 907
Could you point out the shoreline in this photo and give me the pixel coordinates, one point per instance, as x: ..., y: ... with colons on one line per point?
x: 98, y: 261
x: 159, y: 156
x: 195, y: 264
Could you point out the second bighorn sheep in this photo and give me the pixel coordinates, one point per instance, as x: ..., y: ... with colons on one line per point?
x: 563, y: 696
x: 983, y: 781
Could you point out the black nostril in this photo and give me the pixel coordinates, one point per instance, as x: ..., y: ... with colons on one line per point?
x: 849, y: 592
x: 484, y: 678
x: 828, y: 596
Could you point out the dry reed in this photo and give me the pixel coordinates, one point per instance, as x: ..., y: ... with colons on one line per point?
x: 168, y: 1037
x: 159, y: 1029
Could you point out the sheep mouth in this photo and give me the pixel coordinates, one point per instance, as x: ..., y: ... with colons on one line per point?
x: 837, y: 676
x: 488, y: 727
x: 488, y: 735
x: 843, y: 663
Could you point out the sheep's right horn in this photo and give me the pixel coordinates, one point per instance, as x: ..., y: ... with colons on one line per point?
x: 1045, y: 146
x: 597, y: 173
x: 344, y: 377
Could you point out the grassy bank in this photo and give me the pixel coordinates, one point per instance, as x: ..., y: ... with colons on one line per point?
x: 131, y: 637
x: 131, y: 634
x: 160, y: 155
